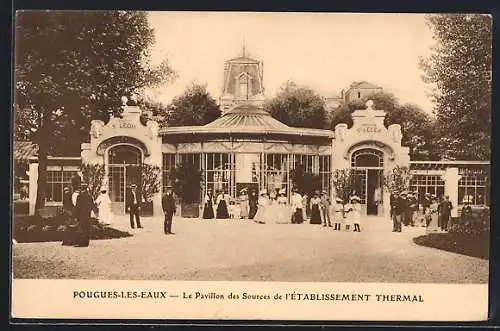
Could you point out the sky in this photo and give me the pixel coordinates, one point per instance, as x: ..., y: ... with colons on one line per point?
x: 324, y: 51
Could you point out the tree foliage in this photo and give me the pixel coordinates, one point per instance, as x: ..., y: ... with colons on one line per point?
x: 397, y: 179
x: 305, y: 181
x: 298, y: 106
x: 460, y: 69
x: 150, y: 181
x: 194, y: 107
x: 93, y: 175
x: 343, y: 183
x: 186, y: 179
x: 73, y: 66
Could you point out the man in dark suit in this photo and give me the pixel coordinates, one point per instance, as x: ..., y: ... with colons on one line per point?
x: 168, y: 206
x: 133, y: 205
x: 445, y: 212
x: 84, y: 206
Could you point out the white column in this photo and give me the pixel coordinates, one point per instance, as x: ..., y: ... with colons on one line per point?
x: 451, y: 178
x: 33, y: 179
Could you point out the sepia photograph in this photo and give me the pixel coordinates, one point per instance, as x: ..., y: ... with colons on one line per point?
x: 252, y: 149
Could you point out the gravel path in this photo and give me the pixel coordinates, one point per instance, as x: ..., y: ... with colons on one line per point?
x: 243, y: 250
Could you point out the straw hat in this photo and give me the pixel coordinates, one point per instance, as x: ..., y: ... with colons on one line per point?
x: 339, y: 200
x: 282, y: 191
x: 264, y: 191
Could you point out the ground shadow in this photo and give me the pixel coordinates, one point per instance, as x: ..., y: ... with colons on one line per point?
x: 470, y: 245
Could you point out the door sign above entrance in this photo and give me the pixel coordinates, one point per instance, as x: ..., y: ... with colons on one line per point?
x: 127, y: 125
x: 369, y: 128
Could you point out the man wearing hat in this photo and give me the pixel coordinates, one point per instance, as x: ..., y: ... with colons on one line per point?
x: 398, y: 211
x: 325, y: 209
x: 168, y: 206
x: 83, y: 208
x: 445, y: 208
x: 412, y: 207
x: 133, y: 206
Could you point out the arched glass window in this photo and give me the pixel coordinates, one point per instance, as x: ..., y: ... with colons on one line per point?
x: 367, y: 157
x: 124, y: 154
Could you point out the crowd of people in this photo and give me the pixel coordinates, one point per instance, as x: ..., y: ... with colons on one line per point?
x: 263, y: 208
x: 431, y: 211
x: 274, y: 207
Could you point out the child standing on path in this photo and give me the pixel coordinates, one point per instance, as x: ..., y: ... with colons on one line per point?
x: 356, y: 213
x: 337, y: 213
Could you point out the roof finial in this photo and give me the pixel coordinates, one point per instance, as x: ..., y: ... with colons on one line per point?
x: 244, y: 50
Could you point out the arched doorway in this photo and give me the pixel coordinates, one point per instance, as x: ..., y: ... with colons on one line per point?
x: 124, y: 169
x: 368, y: 166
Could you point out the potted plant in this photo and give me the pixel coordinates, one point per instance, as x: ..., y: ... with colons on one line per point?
x: 150, y: 185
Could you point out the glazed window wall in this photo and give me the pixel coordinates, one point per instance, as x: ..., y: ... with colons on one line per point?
x: 432, y: 184
x: 168, y: 165
x: 275, y: 171
x: 475, y: 187
x: 325, y: 172
x: 56, y: 181
x: 219, y: 173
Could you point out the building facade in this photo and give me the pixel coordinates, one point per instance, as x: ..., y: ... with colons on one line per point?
x: 247, y: 148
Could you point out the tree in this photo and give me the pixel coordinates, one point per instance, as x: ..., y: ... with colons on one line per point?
x: 195, y: 107
x: 418, y: 127
x: 305, y: 181
x: 343, y: 183
x: 298, y: 106
x: 186, y: 182
x: 150, y: 181
x: 397, y: 179
x: 93, y: 175
x: 460, y: 70
x: 71, y: 67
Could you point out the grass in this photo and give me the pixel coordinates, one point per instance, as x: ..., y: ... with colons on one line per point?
x: 470, y: 245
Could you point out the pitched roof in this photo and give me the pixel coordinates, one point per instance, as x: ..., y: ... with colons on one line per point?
x: 244, y: 59
x: 364, y: 84
x: 23, y: 150
x: 248, y: 117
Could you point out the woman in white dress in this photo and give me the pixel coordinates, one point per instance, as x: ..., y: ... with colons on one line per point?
x: 103, y: 202
x: 262, y: 212
x: 284, y: 214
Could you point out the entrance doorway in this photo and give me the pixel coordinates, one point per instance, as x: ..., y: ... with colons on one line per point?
x: 368, y: 167
x: 124, y: 169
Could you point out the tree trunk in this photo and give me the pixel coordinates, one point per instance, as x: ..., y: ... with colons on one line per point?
x: 42, y: 161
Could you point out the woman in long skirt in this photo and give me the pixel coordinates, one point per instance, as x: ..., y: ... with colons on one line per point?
x: 297, y: 208
x: 244, y: 203
x: 283, y: 211
x: 315, y: 209
x: 262, y: 216
x: 222, y: 211
x: 208, y: 207
x: 433, y: 210
x: 103, y: 202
